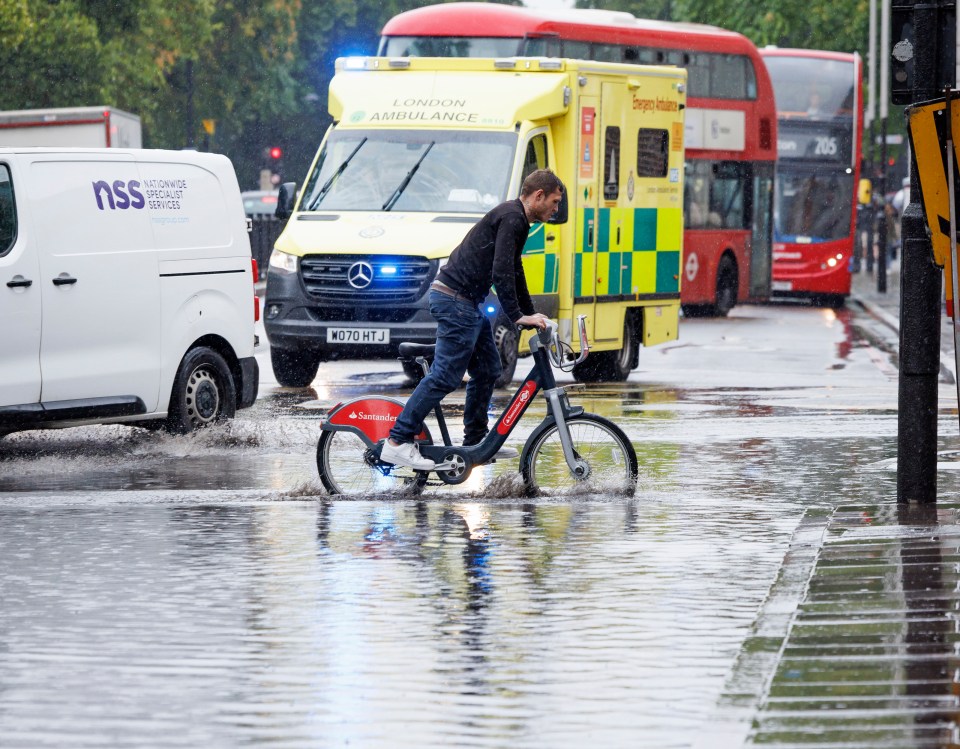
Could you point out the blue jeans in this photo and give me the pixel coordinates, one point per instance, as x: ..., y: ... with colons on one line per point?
x: 464, y: 344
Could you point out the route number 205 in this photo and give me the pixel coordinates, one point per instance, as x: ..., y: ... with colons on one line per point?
x: 826, y: 146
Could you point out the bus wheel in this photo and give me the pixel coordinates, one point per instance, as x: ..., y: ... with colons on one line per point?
x: 727, y: 287
x: 507, y: 341
x: 834, y: 301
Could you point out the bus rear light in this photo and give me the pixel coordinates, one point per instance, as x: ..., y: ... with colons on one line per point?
x: 766, y: 136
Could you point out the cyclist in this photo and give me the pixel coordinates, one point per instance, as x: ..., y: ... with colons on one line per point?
x: 489, y: 254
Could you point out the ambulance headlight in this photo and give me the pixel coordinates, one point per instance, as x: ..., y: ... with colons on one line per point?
x: 283, y: 262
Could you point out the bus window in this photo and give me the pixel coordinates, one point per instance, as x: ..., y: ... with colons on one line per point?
x: 652, y: 152
x: 576, y: 50
x: 696, y: 194
x: 698, y: 74
x: 540, y: 46
x: 728, y: 77
x: 611, y: 163
x: 608, y: 53
x: 727, y: 204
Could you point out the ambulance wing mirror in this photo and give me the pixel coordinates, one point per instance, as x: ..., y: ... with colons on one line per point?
x: 286, y: 199
x: 560, y: 217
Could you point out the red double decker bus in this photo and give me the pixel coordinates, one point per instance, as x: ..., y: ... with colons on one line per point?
x: 730, y: 133
x: 819, y: 142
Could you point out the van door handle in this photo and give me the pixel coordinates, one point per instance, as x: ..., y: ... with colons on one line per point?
x: 19, y: 281
x: 551, y: 237
x: 64, y: 280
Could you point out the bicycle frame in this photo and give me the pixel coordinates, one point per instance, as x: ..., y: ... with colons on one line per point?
x: 372, y: 418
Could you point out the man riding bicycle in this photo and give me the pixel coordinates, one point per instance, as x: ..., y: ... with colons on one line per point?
x: 488, y: 255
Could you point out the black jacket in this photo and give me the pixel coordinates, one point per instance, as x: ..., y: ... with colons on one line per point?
x: 490, y: 254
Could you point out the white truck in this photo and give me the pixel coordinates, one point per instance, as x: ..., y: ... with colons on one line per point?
x: 70, y: 127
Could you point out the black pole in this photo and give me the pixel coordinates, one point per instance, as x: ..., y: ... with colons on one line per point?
x: 920, y: 283
x: 883, y: 239
x: 191, y: 130
x: 872, y: 211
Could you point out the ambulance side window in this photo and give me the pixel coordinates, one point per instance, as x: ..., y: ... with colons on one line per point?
x: 653, y: 150
x: 536, y: 156
x: 8, y: 212
x: 611, y: 163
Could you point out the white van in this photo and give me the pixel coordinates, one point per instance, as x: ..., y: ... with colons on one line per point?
x: 126, y: 289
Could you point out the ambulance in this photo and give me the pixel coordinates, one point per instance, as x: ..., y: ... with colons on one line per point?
x: 421, y: 148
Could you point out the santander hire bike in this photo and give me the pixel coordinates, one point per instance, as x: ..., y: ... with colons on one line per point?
x: 569, y: 450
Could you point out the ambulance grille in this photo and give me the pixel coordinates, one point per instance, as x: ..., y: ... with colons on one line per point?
x: 394, y: 279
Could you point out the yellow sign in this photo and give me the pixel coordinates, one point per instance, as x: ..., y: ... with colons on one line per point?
x: 209, y: 126
x: 930, y: 132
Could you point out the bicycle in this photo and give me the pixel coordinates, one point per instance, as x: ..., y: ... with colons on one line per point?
x: 565, y: 452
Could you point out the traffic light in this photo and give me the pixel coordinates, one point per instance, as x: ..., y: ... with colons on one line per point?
x: 273, y: 162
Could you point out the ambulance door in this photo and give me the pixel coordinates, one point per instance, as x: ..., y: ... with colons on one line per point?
x: 614, y: 229
x: 583, y: 208
x: 540, y: 253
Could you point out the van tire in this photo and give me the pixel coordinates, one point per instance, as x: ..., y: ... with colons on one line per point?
x: 292, y: 369
x: 204, y: 392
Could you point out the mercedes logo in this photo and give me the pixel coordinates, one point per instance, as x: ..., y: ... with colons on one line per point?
x: 360, y: 275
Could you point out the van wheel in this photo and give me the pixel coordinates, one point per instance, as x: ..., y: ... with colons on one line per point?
x: 203, y: 392
x: 293, y: 370
x: 507, y: 341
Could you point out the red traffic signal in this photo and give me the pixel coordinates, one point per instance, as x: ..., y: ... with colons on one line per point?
x: 276, y: 152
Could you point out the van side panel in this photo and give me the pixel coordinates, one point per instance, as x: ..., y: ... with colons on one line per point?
x: 206, y: 278
x: 98, y: 278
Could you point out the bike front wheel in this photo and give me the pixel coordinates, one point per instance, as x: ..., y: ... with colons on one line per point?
x: 346, y: 467
x: 605, y: 454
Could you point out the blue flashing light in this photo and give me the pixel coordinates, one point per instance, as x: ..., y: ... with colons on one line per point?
x: 388, y: 270
x: 355, y: 63
x: 491, y: 310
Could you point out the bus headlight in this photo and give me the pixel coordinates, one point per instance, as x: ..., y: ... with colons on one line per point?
x: 832, y: 262
x: 283, y: 262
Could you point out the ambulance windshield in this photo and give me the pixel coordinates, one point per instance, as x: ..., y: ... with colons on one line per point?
x: 432, y: 171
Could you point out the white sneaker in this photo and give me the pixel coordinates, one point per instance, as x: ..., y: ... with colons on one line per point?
x: 407, y: 454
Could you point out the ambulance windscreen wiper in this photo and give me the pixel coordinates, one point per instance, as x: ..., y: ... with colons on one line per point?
x: 333, y: 178
x: 391, y: 201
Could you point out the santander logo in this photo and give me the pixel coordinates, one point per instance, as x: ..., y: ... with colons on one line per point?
x: 517, y: 408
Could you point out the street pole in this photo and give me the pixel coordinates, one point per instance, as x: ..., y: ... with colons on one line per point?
x: 920, y: 283
x: 884, y: 112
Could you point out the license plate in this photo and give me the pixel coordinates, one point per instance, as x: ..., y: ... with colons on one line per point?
x: 358, y: 335
x: 781, y: 285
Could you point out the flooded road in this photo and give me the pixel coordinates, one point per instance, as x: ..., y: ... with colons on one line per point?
x: 201, y: 590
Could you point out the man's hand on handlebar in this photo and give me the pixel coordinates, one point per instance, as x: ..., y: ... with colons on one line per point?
x: 536, y: 320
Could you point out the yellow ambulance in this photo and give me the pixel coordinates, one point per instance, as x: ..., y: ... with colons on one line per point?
x: 421, y: 148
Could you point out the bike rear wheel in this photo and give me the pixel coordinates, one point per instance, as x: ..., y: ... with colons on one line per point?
x: 346, y: 467
x: 607, y: 453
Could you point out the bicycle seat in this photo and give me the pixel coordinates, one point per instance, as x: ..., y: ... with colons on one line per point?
x: 413, y: 350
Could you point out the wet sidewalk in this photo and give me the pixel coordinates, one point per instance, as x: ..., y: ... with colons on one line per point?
x: 858, y: 641
x: 856, y: 645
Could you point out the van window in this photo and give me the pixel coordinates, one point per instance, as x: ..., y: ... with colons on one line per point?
x: 652, y: 152
x: 8, y: 212
x: 611, y: 163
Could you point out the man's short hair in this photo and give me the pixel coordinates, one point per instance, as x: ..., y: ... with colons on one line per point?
x: 542, y: 179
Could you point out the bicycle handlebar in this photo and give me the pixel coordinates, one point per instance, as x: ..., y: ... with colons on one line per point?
x: 550, y: 340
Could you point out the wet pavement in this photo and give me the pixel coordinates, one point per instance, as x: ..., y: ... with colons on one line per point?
x: 201, y: 590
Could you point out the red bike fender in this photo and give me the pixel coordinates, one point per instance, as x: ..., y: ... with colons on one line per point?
x: 370, y: 418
